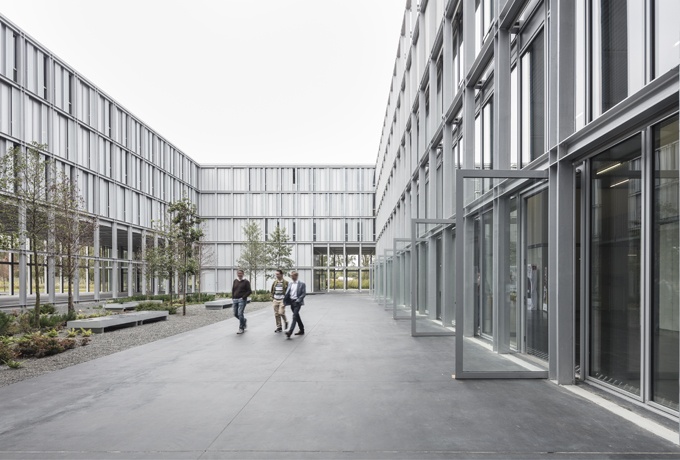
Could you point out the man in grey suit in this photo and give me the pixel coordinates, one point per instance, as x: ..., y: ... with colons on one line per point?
x: 295, y: 297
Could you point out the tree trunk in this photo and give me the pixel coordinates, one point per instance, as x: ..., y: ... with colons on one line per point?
x: 69, y: 273
x: 184, y: 305
x: 36, y: 277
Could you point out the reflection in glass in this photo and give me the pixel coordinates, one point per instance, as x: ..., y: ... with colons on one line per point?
x: 615, y: 266
x: 580, y: 66
x: 665, y: 298
x: 536, y: 272
x: 511, y: 287
x: 513, y: 118
x: 666, y: 35
x: 533, y: 100
x: 487, y: 274
x: 618, y: 28
x: 577, y: 274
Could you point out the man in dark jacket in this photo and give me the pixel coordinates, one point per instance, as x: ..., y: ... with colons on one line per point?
x: 240, y: 291
x: 295, y: 297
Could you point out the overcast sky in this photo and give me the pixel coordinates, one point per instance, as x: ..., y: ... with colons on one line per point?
x: 235, y: 81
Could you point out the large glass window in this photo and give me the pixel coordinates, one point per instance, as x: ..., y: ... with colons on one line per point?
x: 513, y: 118
x: 665, y: 298
x: 615, y: 266
x: 666, y: 35
x: 618, y: 67
x: 533, y: 100
x: 487, y: 276
x: 536, y: 273
x: 580, y: 65
x: 484, y: 144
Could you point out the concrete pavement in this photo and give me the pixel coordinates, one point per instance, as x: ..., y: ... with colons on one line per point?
x: 355, y: 386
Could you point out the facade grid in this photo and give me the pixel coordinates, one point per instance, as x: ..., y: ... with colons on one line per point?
x: 129, y: 174
x: 527, y: 190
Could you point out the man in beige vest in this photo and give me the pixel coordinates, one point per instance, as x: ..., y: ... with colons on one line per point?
x: 279, y: 288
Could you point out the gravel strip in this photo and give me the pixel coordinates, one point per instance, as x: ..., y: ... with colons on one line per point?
x: 122, y: 339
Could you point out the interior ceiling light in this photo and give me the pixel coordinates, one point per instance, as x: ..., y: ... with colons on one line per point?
x: 619, y: 183
x: 608, y: 168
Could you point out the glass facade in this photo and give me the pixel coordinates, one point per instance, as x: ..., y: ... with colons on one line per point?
x: 666, y: 272
x: 567, y: 262
x: 615, y: 270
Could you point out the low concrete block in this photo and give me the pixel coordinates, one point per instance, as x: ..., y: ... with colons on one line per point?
x: 219, y: 304
x: 102, y: 323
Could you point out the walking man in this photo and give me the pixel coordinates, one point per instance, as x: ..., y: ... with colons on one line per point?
x: 279, y: 288
x: 295, y: 297
x: 240, y: 291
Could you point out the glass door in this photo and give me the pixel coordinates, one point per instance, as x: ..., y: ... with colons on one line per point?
x: 536, y: 274
x: 440, y: 278
x: 615, y: 267
x: 483, y: 260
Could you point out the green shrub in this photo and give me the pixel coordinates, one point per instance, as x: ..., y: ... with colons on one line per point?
x: 202, y: 298
x: 262, y: 291
x: 85, y: 332
x: 52, y: 321
x: 5, y: 323
x: 38, y: 345
x: 261, y: 297
x: 12, y: 364
x: 223, y: 295
x: 84, y: 341
x: 48, y: 309
x: 7, y: 352
x: 149, y: 306
x: 24, y: 323
x: 93, y: 315
x: 72, y: 333
x: 52, y: 333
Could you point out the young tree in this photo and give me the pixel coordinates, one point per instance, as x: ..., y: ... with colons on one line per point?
x: 205, y: 257
x: 162, y: 260
x: 186, y: 233
x: 278, y: 251
x: 27, y: 175
x: 253, y: 255
x: 153, y: 265
x: 73, y: 229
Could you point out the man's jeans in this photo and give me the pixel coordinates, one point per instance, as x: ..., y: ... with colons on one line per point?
x: 239, y: 307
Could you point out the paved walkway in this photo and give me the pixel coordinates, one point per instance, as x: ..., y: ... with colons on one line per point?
x: 356, y: 386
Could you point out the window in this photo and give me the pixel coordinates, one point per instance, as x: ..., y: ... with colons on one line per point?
x: 513, y: 118
x: 618, y: 53
x: 484, y: 144
x: 70, y: 94
x: 483, y: 16
x: 46, y: 69
x: 110, y: 120
x: 15, y: 74
x: 533, y: 100
x: 615, y: 286
x: 666, y: 35
x: 665, y: 265
x: 580, y: 66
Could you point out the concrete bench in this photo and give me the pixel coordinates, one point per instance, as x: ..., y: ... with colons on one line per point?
x: 102, y: 323
x: 128, y: 305
x: 220, y: 304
